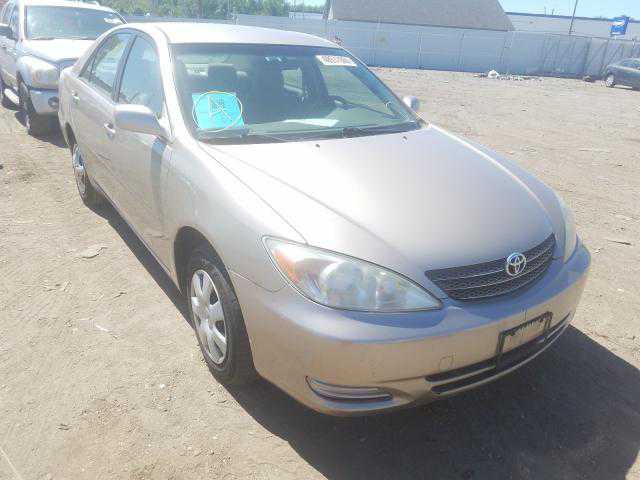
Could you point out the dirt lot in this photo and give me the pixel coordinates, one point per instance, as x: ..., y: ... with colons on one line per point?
x: 101, y: 376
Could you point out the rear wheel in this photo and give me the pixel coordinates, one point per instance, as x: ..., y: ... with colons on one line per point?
x: 217, y: 320
x: 34, y: 123
x: 89, y: 195
x: 610, y: 80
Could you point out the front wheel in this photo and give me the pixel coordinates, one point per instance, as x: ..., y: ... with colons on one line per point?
x: 4, y: 100
x: 89, y: 195
x: 610, y: 80
x: 217, y: 320
x: 34, y: 123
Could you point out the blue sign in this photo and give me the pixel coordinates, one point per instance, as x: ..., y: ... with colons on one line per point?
x: 619, y: 26
x: 217, y: 110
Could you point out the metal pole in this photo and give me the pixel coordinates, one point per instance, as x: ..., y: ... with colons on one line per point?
x: 573, y: 17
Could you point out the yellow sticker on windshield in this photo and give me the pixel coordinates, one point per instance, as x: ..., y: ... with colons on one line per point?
x: 336, y: 61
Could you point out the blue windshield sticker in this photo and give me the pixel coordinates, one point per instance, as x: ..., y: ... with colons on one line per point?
x: 217, y: 110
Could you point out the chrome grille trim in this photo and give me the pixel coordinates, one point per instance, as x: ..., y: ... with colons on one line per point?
x: 487, y: 280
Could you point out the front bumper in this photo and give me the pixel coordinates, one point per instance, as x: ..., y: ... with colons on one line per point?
x: 45, y: 102
x: 414, y: 357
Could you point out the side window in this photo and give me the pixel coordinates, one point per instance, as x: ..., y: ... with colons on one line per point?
x: 86, y: 70
x: 293, y: 79
x: 14, y: 22
x: 141, y: 82
x: 106, y: 60
x: 4, y: 17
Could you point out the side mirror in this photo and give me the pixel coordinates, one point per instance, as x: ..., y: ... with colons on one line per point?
x: 138, y: 119
x: 5, y: 30
x: 412, y: 102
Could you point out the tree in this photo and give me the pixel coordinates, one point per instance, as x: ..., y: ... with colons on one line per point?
x: 205, y: 8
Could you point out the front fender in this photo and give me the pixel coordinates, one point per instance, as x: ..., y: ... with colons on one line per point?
x: 23, y: 70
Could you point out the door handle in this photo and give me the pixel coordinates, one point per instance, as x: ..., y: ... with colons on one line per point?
x: 3, y: 46
x: 75, y: 97
x: 111, y: 132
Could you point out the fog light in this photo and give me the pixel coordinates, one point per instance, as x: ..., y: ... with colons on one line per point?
x: 335, y: 392
x: 54, y: 102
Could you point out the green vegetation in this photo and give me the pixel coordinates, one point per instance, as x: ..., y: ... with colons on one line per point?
x: 208, y: 8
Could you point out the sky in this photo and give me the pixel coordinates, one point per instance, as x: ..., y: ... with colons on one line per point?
x: 586, y: 8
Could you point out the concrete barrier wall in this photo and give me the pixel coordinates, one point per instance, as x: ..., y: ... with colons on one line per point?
x: 458, y: 49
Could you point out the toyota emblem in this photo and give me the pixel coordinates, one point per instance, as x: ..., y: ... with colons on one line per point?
x: 516, y: 263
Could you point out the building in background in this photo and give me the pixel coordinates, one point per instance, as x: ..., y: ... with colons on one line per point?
x: 590, y: 27
x: 478, y: 14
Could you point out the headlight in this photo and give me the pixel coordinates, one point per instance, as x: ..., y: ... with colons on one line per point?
x: 570, y: 235
x: 43, y: 74
x: 343, y: 282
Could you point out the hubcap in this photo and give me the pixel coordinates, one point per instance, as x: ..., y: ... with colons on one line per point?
x: 208, y: 317
x: 78, y: 170
x: 610, y: 80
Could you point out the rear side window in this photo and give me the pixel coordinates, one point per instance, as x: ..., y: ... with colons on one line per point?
x: 14, y: 23
x: 106, y: 60
x: 6, y: 12
x: 141, y: 83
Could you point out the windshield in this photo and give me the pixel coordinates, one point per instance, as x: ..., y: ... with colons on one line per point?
x: 45, y: 23
x: 246, y: 93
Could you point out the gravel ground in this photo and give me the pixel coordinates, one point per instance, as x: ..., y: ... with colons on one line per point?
x: 101, y: 376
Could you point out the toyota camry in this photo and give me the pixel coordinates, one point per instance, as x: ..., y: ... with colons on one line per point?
x: 325, y: 236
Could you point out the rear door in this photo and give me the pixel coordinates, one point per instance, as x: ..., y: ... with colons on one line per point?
x: 625, y: 73
x: 634, y: 74
x: 141, y: 161
x: 92, y: 98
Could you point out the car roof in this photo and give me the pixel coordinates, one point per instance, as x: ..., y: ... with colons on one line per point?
x: 201, y: 32
x: 65, y: 3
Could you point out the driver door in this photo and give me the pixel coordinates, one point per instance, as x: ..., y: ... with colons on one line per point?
x: 141, y: 161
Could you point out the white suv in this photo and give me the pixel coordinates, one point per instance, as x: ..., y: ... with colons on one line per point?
x: 38, y: 39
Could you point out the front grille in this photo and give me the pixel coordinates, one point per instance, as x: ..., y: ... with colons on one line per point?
x: 490, y: 279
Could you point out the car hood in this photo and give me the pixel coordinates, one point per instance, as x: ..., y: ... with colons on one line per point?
x: 413, y: 201
x: 57, y: 50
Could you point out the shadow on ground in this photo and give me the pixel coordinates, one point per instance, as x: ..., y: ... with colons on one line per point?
x: 144, y: 257
x: 54, y: 137
x: 574, y: 412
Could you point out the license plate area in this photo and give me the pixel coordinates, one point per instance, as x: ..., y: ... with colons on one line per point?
x: 524, y: 333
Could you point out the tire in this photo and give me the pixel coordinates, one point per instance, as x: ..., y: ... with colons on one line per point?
x: 35, y: 124
x: 610, y: 80
x: 89, y: 195
x: 4, y: 101
x: 215, y: 314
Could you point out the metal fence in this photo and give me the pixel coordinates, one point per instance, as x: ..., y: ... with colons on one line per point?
x: 458, y: 49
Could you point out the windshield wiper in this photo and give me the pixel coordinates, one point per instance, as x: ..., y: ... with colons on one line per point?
x: 349, y: 132
x: 233, y: 136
